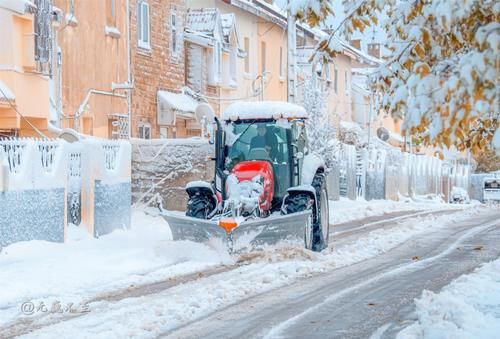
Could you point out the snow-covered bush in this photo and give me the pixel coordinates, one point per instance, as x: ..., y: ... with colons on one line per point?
x: 442, y: 75
x: 320, y: 133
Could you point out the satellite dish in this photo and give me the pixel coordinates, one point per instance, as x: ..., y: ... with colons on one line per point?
x: 383, y: 133
x: 70, y: 135
x: 204, y: 110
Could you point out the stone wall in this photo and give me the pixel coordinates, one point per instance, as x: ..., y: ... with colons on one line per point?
x: 165, y: 166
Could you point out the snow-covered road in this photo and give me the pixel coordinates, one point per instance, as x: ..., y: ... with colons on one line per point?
x: 178, y: 303
x: 356, y: 300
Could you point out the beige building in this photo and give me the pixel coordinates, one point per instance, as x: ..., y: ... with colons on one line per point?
x: 93, y: 66
x: 25, y: 68
x: 253, y: 57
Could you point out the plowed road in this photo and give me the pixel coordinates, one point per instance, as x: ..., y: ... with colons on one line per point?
x: 355, y: 301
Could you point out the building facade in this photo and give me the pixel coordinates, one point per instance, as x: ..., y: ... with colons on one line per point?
x: 160, y: 107
x: 94, y: 67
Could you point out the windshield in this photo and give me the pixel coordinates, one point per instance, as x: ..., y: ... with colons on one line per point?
x: 258, y: 141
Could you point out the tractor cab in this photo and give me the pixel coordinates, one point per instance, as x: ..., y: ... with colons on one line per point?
x: 261, y: 144
x: 279, y: 143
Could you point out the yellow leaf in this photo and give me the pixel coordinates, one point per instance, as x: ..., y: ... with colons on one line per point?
x: 419, y: 50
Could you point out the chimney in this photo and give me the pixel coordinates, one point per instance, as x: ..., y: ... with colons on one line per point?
x: 356, y: 43
x: 374, y: 50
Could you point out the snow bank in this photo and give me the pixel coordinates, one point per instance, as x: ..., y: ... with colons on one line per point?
x: 345, y: 210
x: 85, y: 266
x: 469, y: 307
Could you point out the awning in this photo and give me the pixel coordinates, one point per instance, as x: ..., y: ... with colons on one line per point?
x: 6, y: 94
x: 175, y: 105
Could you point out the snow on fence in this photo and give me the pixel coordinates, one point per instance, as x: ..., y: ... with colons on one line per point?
x: 347, y: 171
x: 387, y: 173
x: 106, y: 185
x: 163, y: 167
x: 41, y: 185
x: 32, y: 190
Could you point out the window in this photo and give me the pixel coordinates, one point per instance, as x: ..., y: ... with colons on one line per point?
x: 327, y: 73
x: 163, y: 133
x: 346, y: 83
x: 71, y: 7
x: 143, y: 39
x: 173, y: 32
x: 263, y: 56
x: 217, y: 60
x: 247, y: 56
x: 282, y: 68
x: 215, y: 69
x: 232, y: 66
x: 335, y: 79
x: 145, y: 130
x: 111, y: 12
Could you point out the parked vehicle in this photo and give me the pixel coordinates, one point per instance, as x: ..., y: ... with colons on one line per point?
x: 491, y: 189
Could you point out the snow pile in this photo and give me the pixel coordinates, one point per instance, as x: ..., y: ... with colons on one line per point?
x: 85, y: 266
x: 244, y: 195
x: 459, y: 194
x: 469, y: 307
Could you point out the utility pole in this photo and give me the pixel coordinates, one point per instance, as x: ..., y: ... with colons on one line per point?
x: 292, y: 44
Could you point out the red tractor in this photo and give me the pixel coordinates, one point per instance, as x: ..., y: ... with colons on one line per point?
x: 267, y: 186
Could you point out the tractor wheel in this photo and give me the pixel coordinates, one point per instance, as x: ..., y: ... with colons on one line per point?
x: 321, y: 226
x: 298, y: 203
x: 199, y: 206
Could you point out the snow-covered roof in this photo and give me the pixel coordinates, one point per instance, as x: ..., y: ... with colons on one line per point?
x: 18, y: 6
x: 178, y: 101
x: 202, y: 20
x: 5, y: 93
x: 263, y: 110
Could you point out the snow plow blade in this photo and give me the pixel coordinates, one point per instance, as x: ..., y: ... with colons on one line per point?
x: 248, y: 235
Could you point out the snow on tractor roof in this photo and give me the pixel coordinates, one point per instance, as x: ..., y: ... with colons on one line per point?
x: 263, y: 110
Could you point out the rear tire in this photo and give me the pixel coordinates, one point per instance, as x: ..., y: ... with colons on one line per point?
x: 199, y: 206
x: 321, y: 226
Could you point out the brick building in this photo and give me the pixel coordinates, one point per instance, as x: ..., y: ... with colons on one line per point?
x: 159, y: 108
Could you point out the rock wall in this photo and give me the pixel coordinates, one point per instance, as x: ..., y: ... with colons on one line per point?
x: 165, y: 166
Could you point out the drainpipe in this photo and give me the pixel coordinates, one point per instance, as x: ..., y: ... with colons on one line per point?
x: 292, y: 45
x: 129, y: 71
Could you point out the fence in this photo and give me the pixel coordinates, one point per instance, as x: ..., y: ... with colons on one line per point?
x: 43, y: 184
x: 164, y: 167
x: 388, y: 173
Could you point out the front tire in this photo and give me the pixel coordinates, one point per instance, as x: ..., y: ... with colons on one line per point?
x: 300, y: 202
x: 199, y: 206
